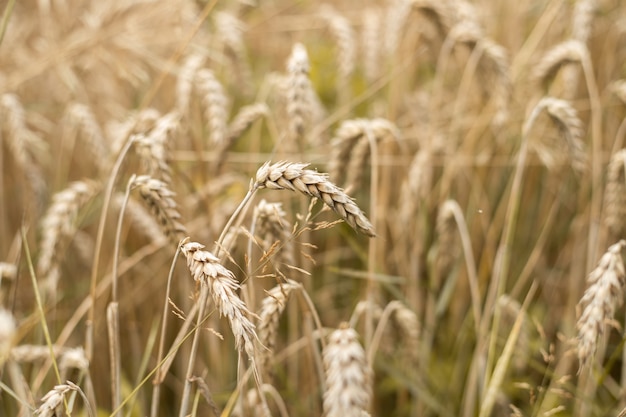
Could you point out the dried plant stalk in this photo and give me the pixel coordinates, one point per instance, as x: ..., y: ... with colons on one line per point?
x: 269, y: 315
x: 603, y: 296
x: 293, y: 176
x: 615, y: 194
x: 348, y: 376
x: 159, y: 199
x: 206, y: 269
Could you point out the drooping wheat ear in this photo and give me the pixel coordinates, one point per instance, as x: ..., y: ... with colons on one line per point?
x: 153, y: 146
x: 298, y: 92
x: 345, y: 139
x: 140, y: 218
x: 603, y: 296
x: 269, y: 315
x: 58, y: 225
x: 293, y: 176
x: 230, y: 31
x: 619, y: 89
x: 185, y: 80
x: 7, y: 334
x: 447, y: 239
x: 615, y: 195
x: 82, y: 118
x: 396, y: 16
x: 377, y: 130
x: 215, y: 104
x: 439, y: 12
x: 159, y: 199
x: 242, y: 121
x: 23, y: 144
x: 206, y: 270
x: 348, y: 376
x: 274, y: 231
x: 52, y: 402
x: 417, y: 184
x: 139, y: 123
x: 568, y: 52
x: 69, y: 357
x: 406, y: 320
x: 565, y: 118
x: 341, y: 30
x: 371, y: 43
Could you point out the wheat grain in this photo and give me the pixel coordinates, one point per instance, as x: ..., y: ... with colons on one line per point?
x: 293, y: 176
x: 206, y: 269
x: 615, y: 194
x: 603, y: 296
x: 348, y: 377
x: 215, y: 104
x: 159, y: 198
x: 272, y: 308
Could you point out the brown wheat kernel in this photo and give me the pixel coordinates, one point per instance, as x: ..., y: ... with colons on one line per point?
x: 293, y: 176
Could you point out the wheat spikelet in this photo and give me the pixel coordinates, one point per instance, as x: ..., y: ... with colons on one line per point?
x: 565, y: 118
x: 184, y: 81
x: 348, y: 376
x: 215, y: 104
x: 371, y: 37
x: 376, y: 130
x: 52, y: 402
x: 141, y: 218
x: 230, y: 31
x: 81, y: 116
x: 159, y: 198
x: 293, y: 176
x: 396, y: 17
x: 58, y: 225
x: 272, y: 308
x: 603, y: 296
x: 615, y: 194
x: 153, y: 146
x: 341, y: 30
x: 7, y: 334
x: 206, y: 269
x: 298, y: 91
x: 571, y: 51
x: 272, y: 227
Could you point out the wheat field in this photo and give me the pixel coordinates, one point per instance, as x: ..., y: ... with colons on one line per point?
x: 271, y: 208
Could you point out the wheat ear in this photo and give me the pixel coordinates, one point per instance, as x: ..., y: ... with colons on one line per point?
x: 348, y: 376
x: 215, y: 104
x: 153, y: 146
x: 7, y: 334
x: 371, y: 36
x: 298, y: 91
x: 52, y: 402
x: 184, y: 81
x: 82, y: 118
x: 272, y: 226
x: 603, y: 296
x: 567, y: 52
x: 230, y: 31
x: 293, y: 176
x: 615, y: 194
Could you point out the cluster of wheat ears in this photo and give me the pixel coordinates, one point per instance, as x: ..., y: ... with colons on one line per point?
x: 449, y: 240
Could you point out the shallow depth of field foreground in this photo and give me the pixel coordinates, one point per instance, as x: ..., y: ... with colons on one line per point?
x: 409, y: 208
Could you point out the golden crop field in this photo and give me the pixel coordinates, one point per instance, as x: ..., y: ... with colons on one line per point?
x: 294, y: 208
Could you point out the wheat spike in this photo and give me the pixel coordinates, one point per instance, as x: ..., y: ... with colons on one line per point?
x: 447, y: 239
x: 272, y: 227
x: 159, y: 198
x: 582, y: 19
x: 7, y: 334
x: 396, y: 16
x: 571, y: 51
x: 439, y: 12
x: 371, y: 36
x: 57, y: 225
x: 230, y: 31
x: 82, y: 117
x: 153, y: 146
x: 565, y: 118
x: 141, y: 218
x: 184, y: 81
x: 417, y: 185
x: 298, y: 91
x: 348, y: 376
x: 215, y: 104
x: 603, y: 296
x: 272, y: 308
x: 293, y: 176
x: 408, y: 323
x: 206, y: 269
x: 615, y: 194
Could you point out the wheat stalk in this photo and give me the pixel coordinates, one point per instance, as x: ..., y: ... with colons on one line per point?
x: 348, y: 376
x: 603, y: 296
x: 293, y: 176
